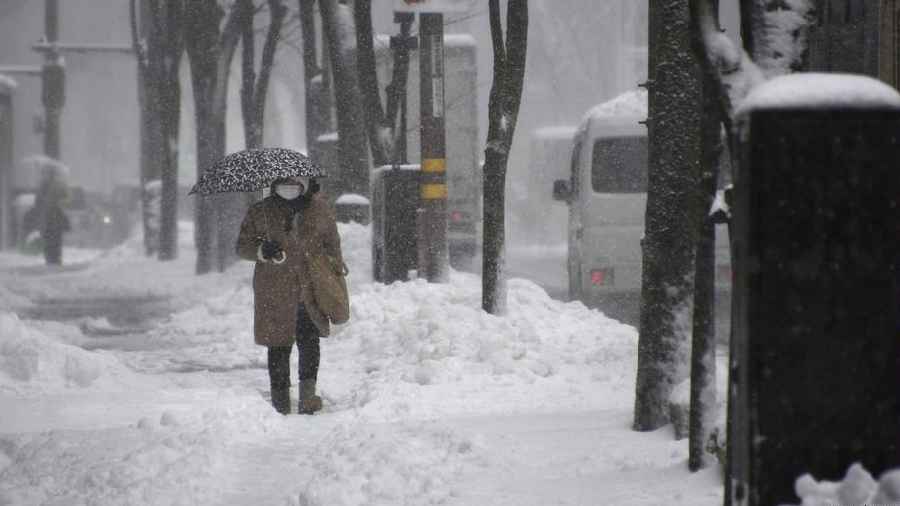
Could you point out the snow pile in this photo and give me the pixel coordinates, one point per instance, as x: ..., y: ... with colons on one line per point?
x: 423, y: 347
x: 356, y: 246
x: 811, y: 90
x: 166, y: 460
x: 857, y: 488
x: 361, y: 465
x: 10, y: 300
x: 125, y: 271
x: 32, y: 362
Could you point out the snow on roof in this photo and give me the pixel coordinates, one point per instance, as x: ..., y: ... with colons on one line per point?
x: 555, y: 132
x: 409, y: 166
x: 630, y: 103
x: 810, y: 90
x: 458, y: 40
x: 353, y: 199
x: 7, y: 83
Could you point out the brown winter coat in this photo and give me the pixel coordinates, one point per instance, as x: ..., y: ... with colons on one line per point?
x: 278, y: 288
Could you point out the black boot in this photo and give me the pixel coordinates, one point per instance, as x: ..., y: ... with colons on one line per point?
x: 281, y: 400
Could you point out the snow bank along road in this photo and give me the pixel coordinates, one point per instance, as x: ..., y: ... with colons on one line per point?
x: 427, y: 399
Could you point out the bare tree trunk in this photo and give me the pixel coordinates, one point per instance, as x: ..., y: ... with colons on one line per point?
x: 159, y: 56
x: 255, y: 88
x: 252, y: 135
x: 210, y: 51
x: 503, y: 112
x: 337, y: 23
x: 148, y: 101
x: 396, y: 92
x: 376, y: 122
x: 170, y: 103
x: 672, y: 214
x: 311, y: 70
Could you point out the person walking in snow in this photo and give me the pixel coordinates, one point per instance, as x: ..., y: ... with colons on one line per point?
x: 281, y: 233
x: 48, y: 216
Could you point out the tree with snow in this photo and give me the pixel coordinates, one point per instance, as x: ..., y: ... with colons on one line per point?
x: 775, y: 33
x: 673, y: 211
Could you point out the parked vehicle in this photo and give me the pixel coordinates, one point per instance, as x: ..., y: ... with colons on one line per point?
x: 606, y: 193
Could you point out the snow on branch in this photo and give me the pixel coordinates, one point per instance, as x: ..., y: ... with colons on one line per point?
x: 781, y: 39
x: 736, y: 73
x: 779, y: 43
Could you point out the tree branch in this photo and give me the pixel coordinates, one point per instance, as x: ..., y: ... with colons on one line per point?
x: 734, y: 71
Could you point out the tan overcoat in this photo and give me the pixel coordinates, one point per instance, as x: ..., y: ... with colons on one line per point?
x: 278, y: 288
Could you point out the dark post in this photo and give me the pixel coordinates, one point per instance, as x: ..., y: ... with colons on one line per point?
x: 6, y: 161
x: 53, y: 80
x: 434, y: 163
x: 394, y: 222
x: 816, y: 357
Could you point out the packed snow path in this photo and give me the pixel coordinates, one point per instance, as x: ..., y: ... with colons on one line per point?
x: 427, y: 399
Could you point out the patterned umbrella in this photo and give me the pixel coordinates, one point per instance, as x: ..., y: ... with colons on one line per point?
x: 255, y: 169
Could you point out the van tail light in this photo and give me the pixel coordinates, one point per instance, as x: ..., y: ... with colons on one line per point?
x: 456, y: 216
x: 602, y: 277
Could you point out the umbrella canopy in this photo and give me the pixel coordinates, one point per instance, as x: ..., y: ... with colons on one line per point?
x: 255, y: 169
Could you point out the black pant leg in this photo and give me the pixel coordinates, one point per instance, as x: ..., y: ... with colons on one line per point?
x: 279, y: 366
x: 53, y: 250
x: 307, y: 345
x: 308, y: 361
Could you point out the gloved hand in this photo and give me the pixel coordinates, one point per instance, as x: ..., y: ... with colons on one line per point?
x: 270, y: 251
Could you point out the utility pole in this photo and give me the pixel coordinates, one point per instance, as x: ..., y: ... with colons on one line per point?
x: 53, y: 74
x: 433, y: 186
x: 54, y: 80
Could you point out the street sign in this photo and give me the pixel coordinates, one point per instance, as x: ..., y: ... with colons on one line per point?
x: 437, y: 6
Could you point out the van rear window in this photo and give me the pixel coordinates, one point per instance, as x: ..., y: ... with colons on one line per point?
x: 620, y: 165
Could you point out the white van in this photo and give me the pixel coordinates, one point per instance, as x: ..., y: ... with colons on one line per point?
x: 606, y: 194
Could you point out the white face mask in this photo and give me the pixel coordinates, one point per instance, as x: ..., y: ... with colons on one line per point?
x: 288, y: 191
x: 294, y: 189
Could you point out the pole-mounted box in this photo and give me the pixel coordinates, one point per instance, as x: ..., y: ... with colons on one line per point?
x: 815, y: 353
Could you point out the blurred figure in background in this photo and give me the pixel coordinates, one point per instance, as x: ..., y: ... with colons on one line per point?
x: 47, y: 216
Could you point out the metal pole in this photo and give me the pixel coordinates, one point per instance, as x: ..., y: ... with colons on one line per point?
x: 53, y: 73
x: 433, y: 185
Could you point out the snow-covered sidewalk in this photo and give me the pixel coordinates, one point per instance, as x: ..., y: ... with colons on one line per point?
x: 428, y: 400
